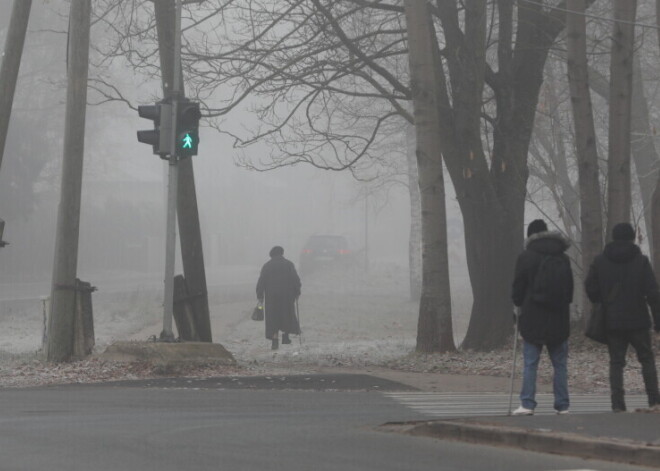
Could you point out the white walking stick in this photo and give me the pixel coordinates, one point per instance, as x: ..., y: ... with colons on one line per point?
x: 515, y: 348
x: 299, y: 328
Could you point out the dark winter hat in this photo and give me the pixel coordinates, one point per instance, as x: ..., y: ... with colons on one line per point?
x: 623, y: 231
x: 537, y: 225
x: 275, y: 251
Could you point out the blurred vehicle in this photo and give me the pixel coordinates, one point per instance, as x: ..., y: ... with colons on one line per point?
x: 324, y: 250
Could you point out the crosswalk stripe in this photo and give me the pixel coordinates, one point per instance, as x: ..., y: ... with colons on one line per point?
x: 493, y: 404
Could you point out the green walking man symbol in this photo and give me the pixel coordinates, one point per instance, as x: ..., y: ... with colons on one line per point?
x: 187, y: 141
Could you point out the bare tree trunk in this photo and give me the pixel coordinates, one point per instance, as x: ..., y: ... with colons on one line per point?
x: 63, y: 292
x: 11, y: 62
x: 434, y: 330
x: 642, y: 147
x: 492, y: 198
x: 415, y: 239
x: 591, y: 219
x: 655, y: 202
x: 618, y: 162
x: 190, y: 235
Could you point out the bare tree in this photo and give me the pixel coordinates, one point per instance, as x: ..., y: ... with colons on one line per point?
x: 591, y: 221
x: 619, y: 198
x: 317, y: 74
x: 655, y: 202
x: 434, y: 329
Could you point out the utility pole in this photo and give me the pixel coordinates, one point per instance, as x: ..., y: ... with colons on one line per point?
x: 187, y: 210
x: 11, y: 61
x: 63, y: 290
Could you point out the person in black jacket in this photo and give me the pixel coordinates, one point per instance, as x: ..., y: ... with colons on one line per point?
x: 622, y: 281
x: 543, y: 322
x: 278, y: 288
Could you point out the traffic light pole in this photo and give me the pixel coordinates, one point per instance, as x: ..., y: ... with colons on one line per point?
x: 172, y: 188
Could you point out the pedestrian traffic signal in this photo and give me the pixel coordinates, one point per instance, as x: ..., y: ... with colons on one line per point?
x: 160, y: 137
x: 187, y: 128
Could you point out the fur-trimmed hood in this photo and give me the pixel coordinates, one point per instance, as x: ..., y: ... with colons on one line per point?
x: 549, y: 242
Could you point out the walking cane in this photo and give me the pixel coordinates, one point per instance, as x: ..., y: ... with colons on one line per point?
x: 300, y: 339
x: 515, y: 348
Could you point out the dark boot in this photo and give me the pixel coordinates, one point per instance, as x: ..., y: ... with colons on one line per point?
x: 285, y: 339
x: 276, y: 344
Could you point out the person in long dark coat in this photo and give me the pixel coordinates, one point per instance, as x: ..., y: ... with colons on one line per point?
x: 542, y: 324
x: 622, y: 281
x: 278, y: 288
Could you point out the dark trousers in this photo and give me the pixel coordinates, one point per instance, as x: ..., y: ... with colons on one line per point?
x: 617, y: 345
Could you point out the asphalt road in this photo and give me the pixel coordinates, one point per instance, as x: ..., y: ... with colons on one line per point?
x: 116, y: 427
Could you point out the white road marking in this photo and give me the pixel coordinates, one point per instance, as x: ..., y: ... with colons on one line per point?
x: 492, y: 404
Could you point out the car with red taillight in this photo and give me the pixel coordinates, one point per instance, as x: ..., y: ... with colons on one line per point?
x: 324, y: 250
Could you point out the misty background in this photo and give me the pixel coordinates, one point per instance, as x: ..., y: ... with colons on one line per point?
x: 243, y: 213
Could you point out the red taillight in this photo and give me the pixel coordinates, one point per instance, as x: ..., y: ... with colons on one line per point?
x: 306, y: 251
x: 344, y: 252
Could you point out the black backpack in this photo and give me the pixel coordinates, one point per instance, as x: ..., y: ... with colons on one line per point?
x: 550, y: 287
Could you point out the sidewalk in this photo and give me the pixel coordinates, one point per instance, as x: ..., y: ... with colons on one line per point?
x: 632, y: 437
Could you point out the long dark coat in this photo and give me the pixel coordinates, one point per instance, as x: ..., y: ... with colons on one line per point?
x: 541, y: 324
x: 278, y: 287
x: 622, y: 280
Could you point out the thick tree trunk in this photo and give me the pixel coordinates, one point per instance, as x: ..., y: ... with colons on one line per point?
x: 492, y: 244
x: 591, y: 220
x: 619, y: 198
x: 63, y: 292
x: 434, y: 329
x: 655, y: 202
x: 498, y: 203
x: 11, y: 62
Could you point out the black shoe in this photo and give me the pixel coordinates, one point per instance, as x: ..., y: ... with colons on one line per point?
x: 285, y: 339
x: 275, y: 345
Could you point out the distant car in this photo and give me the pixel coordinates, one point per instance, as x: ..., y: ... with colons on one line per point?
x: 322, y: 250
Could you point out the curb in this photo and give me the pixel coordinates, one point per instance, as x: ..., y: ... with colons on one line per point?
x: 538, y: 440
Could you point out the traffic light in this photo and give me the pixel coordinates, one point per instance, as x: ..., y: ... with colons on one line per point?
x: 2, y: 229
x: 160, y: 137
x: 187, y: 128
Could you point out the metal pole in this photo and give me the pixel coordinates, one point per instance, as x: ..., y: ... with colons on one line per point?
x: 172, y: 187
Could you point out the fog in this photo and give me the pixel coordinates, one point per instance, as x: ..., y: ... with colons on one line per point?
x: 243, y: 213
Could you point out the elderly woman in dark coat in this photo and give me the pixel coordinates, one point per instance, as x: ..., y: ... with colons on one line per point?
x: 278, y: 288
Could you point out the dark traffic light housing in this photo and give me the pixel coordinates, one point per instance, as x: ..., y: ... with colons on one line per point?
x: 160, y: 136
x: 187, y: 128
x: 2, y: 230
